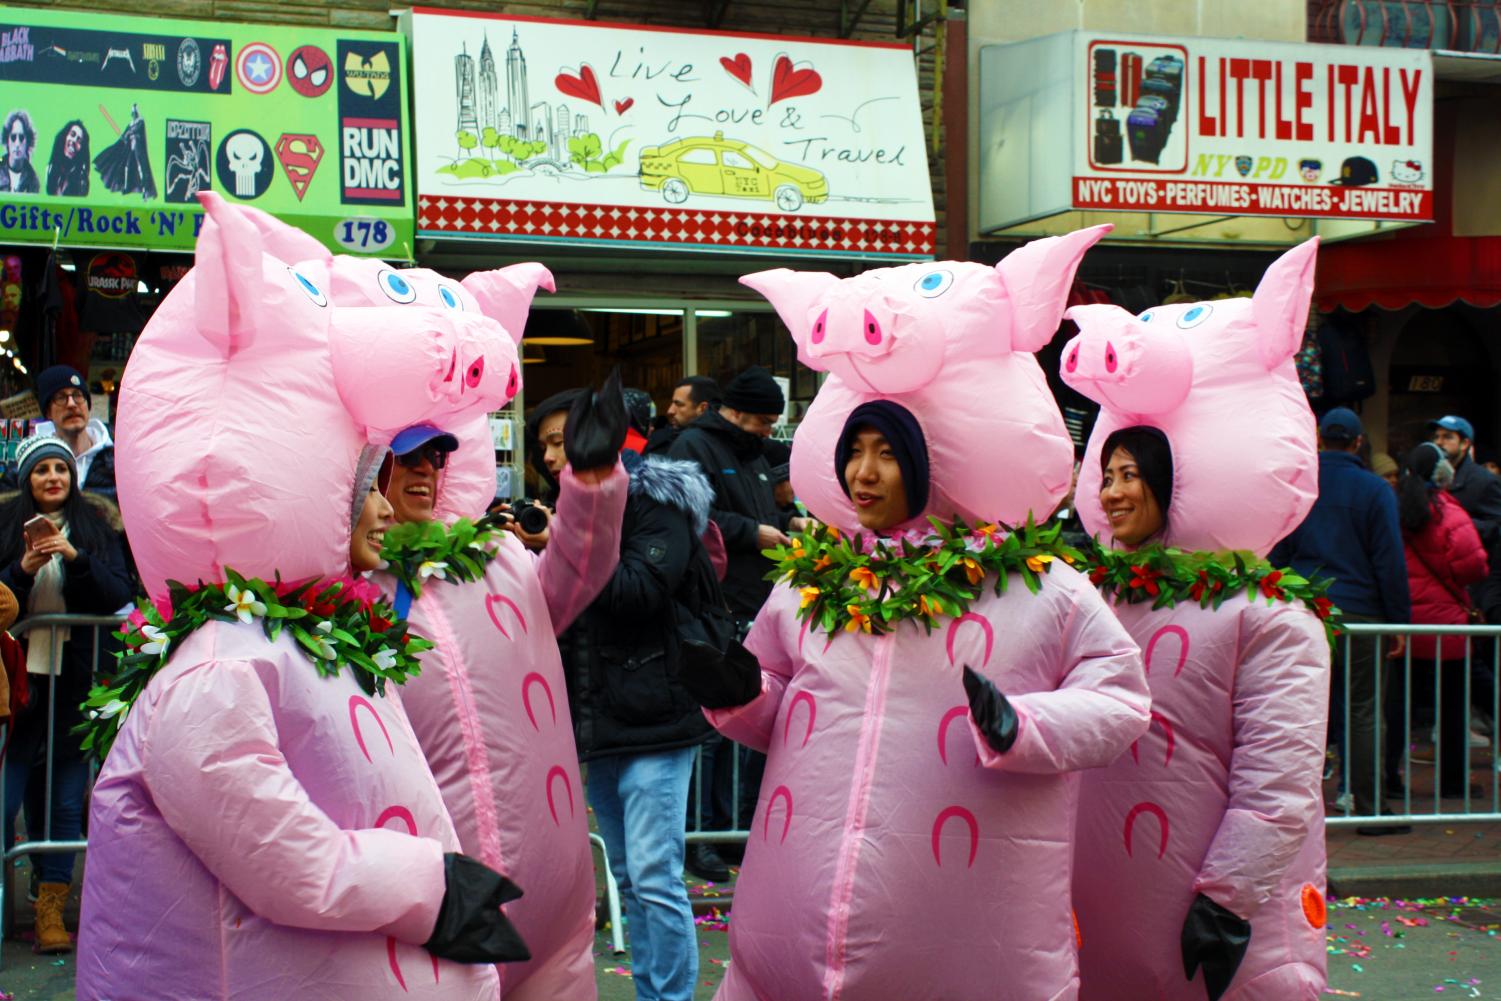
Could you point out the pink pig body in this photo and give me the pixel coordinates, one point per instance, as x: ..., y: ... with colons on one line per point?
x: 1223, y: 796
x: 491, y: 706
x: 893, y: 855
x: 259, y: 831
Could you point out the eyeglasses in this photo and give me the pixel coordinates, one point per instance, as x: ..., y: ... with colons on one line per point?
x: 69, y: 396
x: 436, y: 457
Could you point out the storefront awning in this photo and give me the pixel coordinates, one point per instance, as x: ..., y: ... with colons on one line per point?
x: 1422, y: 265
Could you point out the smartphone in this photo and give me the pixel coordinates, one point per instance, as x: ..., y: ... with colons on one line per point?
x: 37, y: 529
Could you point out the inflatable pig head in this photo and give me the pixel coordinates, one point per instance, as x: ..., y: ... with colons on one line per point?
x: 252, y: 392
x: 953, y: 343
x: 467, y: 483
x: 1217, y: 378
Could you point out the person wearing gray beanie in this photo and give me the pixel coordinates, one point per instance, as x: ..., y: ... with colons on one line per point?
x: 34, y: 450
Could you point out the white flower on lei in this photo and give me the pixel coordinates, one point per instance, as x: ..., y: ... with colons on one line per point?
x: 156, y: 640
x: 325, y: 647
x: 112, y: 708
x: 433, y: 568
x: 243, y: 603
x: 385, y: 658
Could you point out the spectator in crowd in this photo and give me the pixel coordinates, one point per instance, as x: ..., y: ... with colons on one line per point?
x: 639, y: 411
x: 1352, y: 536
x: 1384, y: 466
x: 1475, y: 487
x: 1444, y: 557
x: 634, y: 722
x: 60, y: 552
x: 694, y: 396
x: 65, y: 401
x: 729, y: 445
x: 779, y: 457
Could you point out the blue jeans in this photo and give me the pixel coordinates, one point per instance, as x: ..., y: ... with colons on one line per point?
x: 26, y: 779
x: 640, y: 803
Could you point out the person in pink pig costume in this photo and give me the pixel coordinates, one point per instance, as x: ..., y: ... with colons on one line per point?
x: 1199, y: 868
x: 491, y: 706
x: 913, y: 836
x: 265, y: 825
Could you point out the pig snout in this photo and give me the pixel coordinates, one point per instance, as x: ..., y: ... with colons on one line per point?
x: 853, y: 331
x: 1132, y: 366
x: 859, y: 338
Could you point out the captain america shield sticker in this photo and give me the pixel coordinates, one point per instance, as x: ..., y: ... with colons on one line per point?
x: 258, y: 68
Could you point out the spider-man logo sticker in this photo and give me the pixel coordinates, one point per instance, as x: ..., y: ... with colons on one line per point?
x: 309, y: 71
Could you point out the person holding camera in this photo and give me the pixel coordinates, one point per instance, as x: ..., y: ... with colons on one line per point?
x: 634, y: 722
x: 61, y: 552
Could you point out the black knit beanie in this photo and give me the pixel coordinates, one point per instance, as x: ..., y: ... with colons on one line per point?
x: 754, y: 391
x: 902, y: 432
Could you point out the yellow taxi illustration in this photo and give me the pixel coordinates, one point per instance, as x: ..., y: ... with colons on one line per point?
x: 719, y: 166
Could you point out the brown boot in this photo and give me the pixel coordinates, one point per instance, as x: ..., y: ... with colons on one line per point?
x: 51, y: 934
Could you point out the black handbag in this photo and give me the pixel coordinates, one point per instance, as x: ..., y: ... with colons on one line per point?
x: 709, y: 660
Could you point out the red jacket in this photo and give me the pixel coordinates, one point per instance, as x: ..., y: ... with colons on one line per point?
x: 1443, y: 559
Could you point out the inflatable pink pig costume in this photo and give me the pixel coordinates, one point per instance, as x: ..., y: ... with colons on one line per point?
x: 894, y: 856
x: 1222, y: 797
x: 491, y: 706
x: 259, y: 831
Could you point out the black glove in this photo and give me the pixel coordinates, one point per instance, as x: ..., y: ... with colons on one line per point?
x: 471, y: 927
x: 595, y: 429
x: 1216, y: 940
x: 992, y: 711
x: 719, y: 680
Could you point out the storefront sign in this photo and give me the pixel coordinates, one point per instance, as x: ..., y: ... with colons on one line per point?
x: 1222, y: 127
x: 581, y: 133
x: 114, y: 124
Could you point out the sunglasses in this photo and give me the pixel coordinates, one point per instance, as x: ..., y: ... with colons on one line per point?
x: 436, y: 457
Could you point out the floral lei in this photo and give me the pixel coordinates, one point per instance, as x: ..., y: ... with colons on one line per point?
x: 415, y: 551
x: 1166, y: 576
x: 338, y: 622
x: 850, y: 584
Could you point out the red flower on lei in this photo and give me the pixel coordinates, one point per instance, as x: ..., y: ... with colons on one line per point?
x: 1146, y: 578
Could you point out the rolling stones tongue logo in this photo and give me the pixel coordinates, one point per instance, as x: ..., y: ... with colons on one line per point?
x: 310, y: 71
x: 218, y: 63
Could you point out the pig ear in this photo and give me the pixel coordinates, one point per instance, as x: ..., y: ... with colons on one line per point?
x: 1280, y: 305
x: 229, y: 280
x: 1037, y: 277
x: 794, y: 294
x: 505, y: 295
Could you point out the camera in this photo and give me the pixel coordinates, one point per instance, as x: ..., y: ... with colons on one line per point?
x: 531, y: 516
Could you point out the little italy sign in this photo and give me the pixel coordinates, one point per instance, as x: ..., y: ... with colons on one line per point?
x: 553, y: 131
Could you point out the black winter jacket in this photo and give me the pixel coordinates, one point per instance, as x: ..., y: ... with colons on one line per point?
x: 744, y: 499
x: 96, y: 583
x: 619, y: 656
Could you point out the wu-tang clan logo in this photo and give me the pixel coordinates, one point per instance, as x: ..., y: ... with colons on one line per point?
x: 367, y: 76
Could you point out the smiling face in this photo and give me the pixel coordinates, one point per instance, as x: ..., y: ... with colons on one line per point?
x: 376, y: 516
x: 413, y: 488
x: 875, y: 482
x: 1130, y: 507
x: 50, y: 482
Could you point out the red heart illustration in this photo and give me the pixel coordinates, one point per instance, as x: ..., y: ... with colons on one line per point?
x: 739, y: 67
x: 788, y: 82
x: 584, y: 86
x: 621, y: 107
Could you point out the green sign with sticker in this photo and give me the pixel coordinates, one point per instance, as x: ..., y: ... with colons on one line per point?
x: 113, y: 125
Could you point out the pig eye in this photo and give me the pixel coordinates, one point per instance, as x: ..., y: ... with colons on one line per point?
x: 934, y: 284
x: 450, y: 297
x: 1195, y: 315
x: 397, y: 288
x: 1146, y: 317
x: 309, y: 288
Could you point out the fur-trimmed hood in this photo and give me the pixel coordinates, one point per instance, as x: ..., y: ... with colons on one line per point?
x: 677, y: 483
x: 108, y: 509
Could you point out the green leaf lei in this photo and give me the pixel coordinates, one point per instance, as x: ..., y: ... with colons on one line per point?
x: 854, y: 586
x: 1165, y: 576
x: 415, y: 551
x: 338, y: 623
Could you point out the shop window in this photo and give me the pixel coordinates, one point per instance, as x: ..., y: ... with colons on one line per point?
x: 729, y: 342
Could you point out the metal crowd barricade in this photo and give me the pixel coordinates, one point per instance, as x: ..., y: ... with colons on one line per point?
x: 1401, y: 678
x: 45, y: 845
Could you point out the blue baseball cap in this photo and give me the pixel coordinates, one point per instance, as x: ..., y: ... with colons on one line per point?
x: 1341, y: 424
x: 412, y: 438
x: 1449, y: 422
